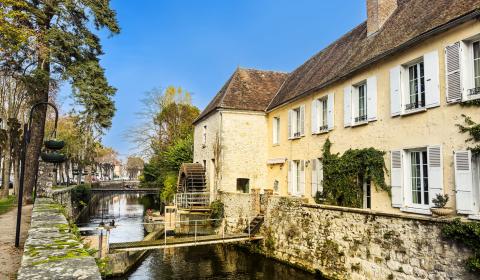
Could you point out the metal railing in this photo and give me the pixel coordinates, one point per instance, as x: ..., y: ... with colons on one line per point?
x: 474, y: 91
x: 191, y: 200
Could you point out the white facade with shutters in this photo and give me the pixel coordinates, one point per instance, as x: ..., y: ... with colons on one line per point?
x: 407, y: 105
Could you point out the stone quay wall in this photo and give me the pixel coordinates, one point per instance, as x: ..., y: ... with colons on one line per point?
x: 346, y: 243
x: 238, y: 209
x: 51, y: 251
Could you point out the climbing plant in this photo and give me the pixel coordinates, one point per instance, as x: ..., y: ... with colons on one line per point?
x: 473, y: 129
x: 343, y: 175
x: 469, y: 235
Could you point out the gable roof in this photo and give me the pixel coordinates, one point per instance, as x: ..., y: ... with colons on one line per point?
x: 411, y: 21
x: 246, y: 89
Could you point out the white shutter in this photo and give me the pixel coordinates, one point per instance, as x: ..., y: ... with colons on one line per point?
x: 435, y: 171
x: 274, y: 132
x: 314, y: 119
x: 314, y: 177
x: 320, y: 175
x: 347, y: 106
x: 396, y: 178
x: 290, y: 177
x: 372, y: 98
x: 463, y: 182
x: 453, y: 73
x: 330, y: 106
x: 432, y: 79
x: 302, y: 177
x: 290, y: 127
x: 395, y: 91
x: 302, y: 120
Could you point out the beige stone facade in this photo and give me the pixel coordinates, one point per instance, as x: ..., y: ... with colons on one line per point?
x: 232, y: 146
x: 431, y: 126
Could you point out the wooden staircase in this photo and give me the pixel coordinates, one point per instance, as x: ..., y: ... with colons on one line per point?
x: 255, y: 225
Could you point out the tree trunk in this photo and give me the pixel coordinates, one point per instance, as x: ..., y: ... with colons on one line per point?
x: 16, y: 175
x: 7, y: 167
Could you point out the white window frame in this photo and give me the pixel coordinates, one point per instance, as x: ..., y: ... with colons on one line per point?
x: 406, y: 94
x: 367, y: 194
x: 409, y: 187
x: 296, y: 178
x: 467, y: 69
x: 296, y: 122
x: 316, y: 182
x: 276, y: 131
x: 357, y: 102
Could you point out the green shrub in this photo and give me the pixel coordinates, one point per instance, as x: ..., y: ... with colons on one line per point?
x: 469, y: 235
x: 81, y: 195
x: 217, y: 213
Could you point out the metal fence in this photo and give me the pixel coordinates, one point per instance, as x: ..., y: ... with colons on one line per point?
x: 192, y: 200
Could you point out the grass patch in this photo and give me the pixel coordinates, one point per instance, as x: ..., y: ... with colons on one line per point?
x: 6, y: 204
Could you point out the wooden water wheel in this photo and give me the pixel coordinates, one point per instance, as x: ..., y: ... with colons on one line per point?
x: 191, y: 178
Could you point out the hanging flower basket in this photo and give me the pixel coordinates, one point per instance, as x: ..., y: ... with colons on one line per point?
x: 54, y: 144
x: 53, y: 157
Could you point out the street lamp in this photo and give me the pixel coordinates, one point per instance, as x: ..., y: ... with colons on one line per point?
x: 51, y: 155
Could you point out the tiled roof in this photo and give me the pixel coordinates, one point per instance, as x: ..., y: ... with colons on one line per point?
x: 413, y: 19
x: 247, y: 89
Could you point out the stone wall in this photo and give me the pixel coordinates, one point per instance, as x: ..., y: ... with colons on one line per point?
x: 347, y: 243
x: 238, y: 208
x: 51, y: 250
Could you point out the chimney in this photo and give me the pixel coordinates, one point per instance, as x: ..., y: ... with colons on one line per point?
x: 378, y: 11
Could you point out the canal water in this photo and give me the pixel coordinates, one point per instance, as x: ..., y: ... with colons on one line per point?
x: 200, y: 262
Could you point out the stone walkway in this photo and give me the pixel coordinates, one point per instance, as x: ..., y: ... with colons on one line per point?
x: 11, y: 257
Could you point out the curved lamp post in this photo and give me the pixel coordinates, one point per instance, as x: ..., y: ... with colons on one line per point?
x: 48, y: 157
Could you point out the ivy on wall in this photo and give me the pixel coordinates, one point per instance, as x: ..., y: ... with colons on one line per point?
x: 469, y: 235
x: 343, y: 175
x: 473, y: 129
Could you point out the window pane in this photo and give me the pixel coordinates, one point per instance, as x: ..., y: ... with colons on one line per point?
x: 416, y: 178
x: 324, y: 112
x: 425, y: 178
x: 476, y: 63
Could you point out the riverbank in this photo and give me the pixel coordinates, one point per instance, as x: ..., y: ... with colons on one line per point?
x: 10, y: 256
x: 52, y: 250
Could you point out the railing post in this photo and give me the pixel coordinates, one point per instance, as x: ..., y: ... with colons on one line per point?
x: 223, y: 230
x: 195, y: 232
x: 248, y: 221
x: 165, y: 233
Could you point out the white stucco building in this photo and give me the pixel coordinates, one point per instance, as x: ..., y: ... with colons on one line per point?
x: 231, y: 133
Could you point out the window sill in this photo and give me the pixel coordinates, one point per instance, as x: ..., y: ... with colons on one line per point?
x: 472, y: 98
x: 410, y: 209
x: 275, y: 144
x: 321, y: 132
x: 474, y: 217
x: 360, y: 123
x: 414, y: 111
x: 295, y: 138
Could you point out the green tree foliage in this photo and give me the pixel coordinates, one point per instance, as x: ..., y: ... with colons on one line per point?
x: 173, y: 144
x: 343, y: 175
x: 169, y: 187
x: 473, y: 129
x: 52, y: 41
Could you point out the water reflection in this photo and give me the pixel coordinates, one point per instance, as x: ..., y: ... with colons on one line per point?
x: 201, y: 262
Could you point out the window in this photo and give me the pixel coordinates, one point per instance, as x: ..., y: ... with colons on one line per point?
x: 276, y: 186
x: 296, y: 177
x: 419, y: 177
x: 367, y: 194
x: 416, y: 178
x: 296, y: 122
x: 416, y: 87
x: 204, y: 136
x: 476, y: 68
x: 322, y: 114
x: 243, y: 185
x: 276, y: 130
x: 360, y: 101
x: 317, y: 176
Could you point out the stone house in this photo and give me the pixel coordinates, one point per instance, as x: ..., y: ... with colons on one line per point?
x: 230, y: 135
x: 396, y: 82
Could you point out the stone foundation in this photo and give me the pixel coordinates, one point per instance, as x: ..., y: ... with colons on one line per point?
x: 345, y: 243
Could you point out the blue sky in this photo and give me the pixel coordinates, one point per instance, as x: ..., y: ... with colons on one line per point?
x: 198, y: 44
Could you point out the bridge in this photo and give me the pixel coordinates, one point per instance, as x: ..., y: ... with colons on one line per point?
x: 183, y: 242
x: 125, y: 190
